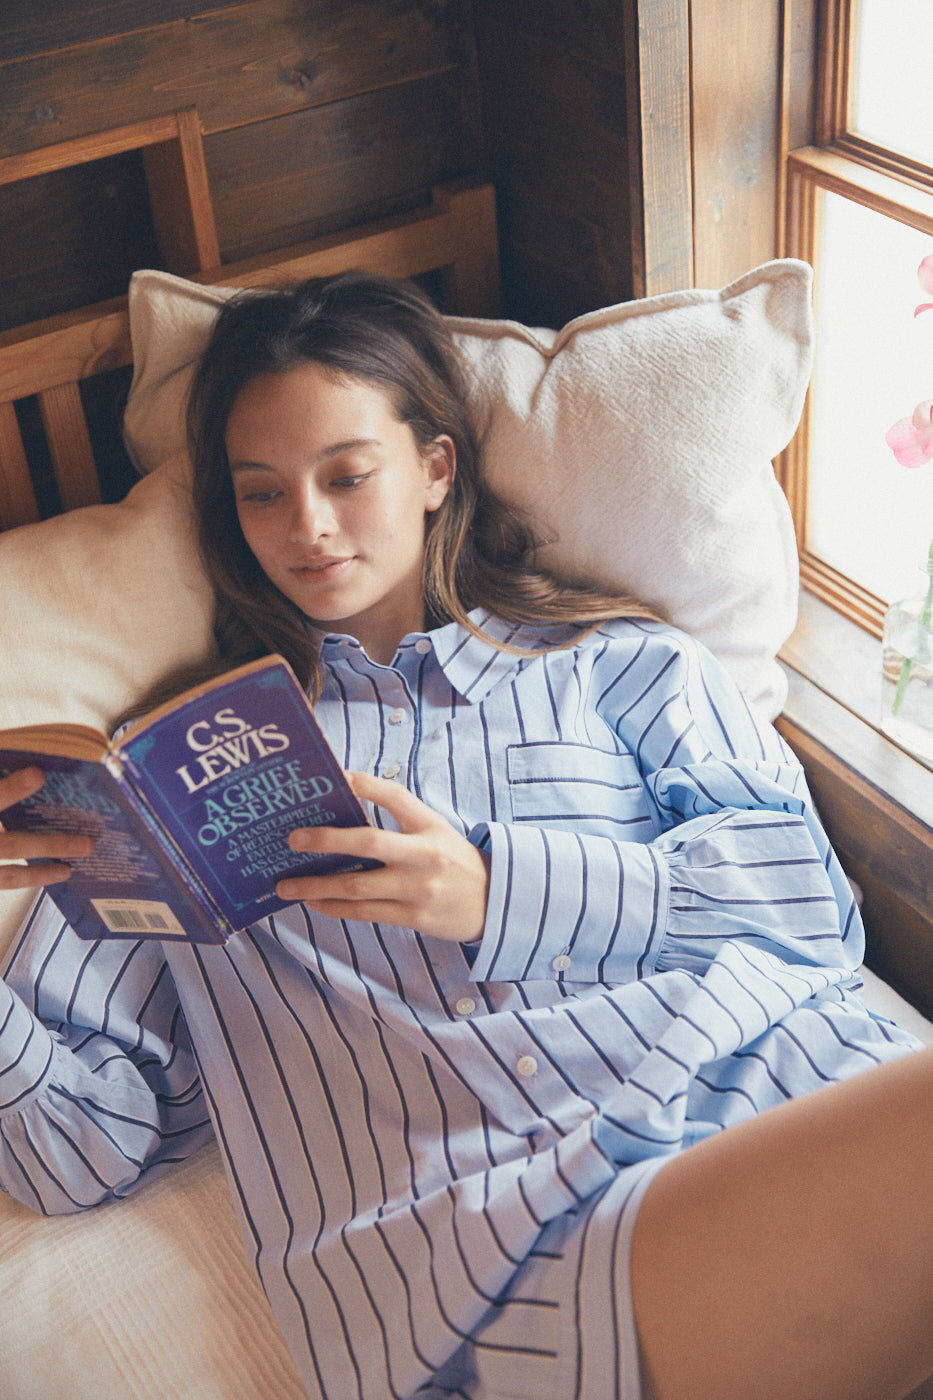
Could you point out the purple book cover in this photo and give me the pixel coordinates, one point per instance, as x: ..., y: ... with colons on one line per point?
x: 230, y: 773
x: 129, y: 887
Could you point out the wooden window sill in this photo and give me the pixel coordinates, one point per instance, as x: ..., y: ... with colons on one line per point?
x: 875, y: 799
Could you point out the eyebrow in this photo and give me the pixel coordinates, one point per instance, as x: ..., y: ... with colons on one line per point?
x: 327, y: 455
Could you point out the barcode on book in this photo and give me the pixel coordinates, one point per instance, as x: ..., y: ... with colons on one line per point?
x: 138, y: 916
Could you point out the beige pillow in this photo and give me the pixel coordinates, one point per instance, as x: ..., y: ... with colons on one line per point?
x: 99, y: 603
x: 640, y: 439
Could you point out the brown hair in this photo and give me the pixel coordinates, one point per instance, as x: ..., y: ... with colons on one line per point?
x: 479, y: 551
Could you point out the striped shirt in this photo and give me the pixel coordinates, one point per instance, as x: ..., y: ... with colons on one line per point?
x: 670, y: 947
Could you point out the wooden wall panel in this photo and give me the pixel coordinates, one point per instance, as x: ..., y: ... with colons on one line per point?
x: 316, y: 113
x: 321, y: 169
x: 243, y: 64
x: 736, y: 48
x: 28, y: 24
x: 99, y: 212
x: 659, y: 117
x: 554, y: 120
x: 634, y: 143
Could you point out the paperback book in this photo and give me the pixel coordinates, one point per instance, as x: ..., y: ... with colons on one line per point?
x: 190, y: 807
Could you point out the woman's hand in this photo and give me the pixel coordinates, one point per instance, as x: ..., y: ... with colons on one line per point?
x: 432, y: 879
x: 26, y: 845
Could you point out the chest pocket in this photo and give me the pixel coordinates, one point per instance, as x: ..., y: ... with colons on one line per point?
x: 575, y: 788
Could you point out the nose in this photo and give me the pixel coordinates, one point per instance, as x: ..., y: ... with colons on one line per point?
x: 312, y: 516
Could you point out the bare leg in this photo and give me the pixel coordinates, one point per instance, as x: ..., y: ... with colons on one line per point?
x: 791, y: 1258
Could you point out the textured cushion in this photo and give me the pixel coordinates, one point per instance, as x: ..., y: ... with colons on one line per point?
x: 640, y: 439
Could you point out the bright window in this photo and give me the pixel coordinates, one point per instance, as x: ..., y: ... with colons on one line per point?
x: 869, y: 517
x: 892, y: 96
x: 860, y: 208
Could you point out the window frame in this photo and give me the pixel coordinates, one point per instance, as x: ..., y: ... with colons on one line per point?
x: 844, y: 163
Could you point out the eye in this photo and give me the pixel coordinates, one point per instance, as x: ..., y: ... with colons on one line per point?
x: 257, y: 498
x: 350, y: 483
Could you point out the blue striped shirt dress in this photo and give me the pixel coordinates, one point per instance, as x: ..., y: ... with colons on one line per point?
x: 437, y: 1150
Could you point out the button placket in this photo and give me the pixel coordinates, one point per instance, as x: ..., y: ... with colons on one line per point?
x: 397, y: 753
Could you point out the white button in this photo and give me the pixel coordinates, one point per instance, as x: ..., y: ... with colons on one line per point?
x: 396, y: 716
x: 393, y: 770
x: 560, y: 963
x: 422, y: 645
x: 527, y: 1066
x: 465, y: 1006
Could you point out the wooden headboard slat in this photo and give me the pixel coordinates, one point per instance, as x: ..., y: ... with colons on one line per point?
x: 18, y: 504
x: 62, y: 349
x: 454, y: 237
x: 181, y: 201
x: 173, y: 159
x: 70, y: 446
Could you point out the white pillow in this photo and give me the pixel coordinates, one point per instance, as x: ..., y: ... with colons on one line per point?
x: 639, y: 438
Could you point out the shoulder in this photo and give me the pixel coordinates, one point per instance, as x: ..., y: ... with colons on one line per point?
x: 650, y: 677
x: 646, y: 644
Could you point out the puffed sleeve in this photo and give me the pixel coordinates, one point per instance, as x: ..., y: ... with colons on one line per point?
x: 99, y: 1090
x: 730, y: 847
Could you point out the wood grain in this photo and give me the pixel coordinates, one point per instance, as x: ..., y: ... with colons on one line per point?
x: 660, y: 103
x: 737, y: 49
x: 37, y: 26
x: 556, y: 136
x: 326, y: 168
x: 18, y: 504
x: 70, y: 446
x: 73, y: 237
x: 243, y: 64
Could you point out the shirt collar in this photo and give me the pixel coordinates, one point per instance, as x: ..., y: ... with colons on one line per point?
x: 473, y: 666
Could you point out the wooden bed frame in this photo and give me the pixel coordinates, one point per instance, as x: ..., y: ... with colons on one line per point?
x: 454, y: 238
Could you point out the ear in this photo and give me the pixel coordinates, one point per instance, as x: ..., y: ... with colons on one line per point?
x: 440, y: 460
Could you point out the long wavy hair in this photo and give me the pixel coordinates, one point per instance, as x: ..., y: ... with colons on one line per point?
x: 479, y: 551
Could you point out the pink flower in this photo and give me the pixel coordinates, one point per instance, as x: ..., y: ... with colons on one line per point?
x: 925, y: 273
x: 911, y: 439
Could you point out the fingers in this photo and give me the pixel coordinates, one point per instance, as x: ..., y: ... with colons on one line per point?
x: 34, y: 845
x: 431, y: 878
x: 16, y: 787
x: 52, y: 849
x: 368, y: 842
x: 23, y: 877
x: 407, y: 809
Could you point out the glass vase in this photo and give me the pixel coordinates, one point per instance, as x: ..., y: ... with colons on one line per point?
x: 907, y: 661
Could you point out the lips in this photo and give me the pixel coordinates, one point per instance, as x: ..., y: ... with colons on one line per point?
x: 321, y: 569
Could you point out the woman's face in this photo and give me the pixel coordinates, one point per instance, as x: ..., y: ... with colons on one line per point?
x: 332, y: 492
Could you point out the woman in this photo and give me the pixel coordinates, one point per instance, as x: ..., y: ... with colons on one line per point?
x: 471, y: 1103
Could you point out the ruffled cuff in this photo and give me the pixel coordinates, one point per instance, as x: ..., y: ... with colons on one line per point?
x: 26, y: 1050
